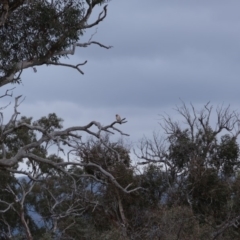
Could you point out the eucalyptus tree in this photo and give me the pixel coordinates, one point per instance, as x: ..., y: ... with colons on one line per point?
x: 43, y: 32
x: 199, y: 162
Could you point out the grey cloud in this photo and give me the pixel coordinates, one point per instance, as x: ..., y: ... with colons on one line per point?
x: 166, y: 29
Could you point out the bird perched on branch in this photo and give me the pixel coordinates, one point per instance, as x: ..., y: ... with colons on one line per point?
x: 118, y: 118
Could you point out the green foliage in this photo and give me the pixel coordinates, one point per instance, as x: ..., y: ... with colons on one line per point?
x: 38, y: 30
x: 154, y: 180
x: 181, y: 148
x: 50, y: 123
x: 20, y: 137
x: 7, y: 179
x: 210, y: 194
x: 109, y: 155
x: 228, y: 154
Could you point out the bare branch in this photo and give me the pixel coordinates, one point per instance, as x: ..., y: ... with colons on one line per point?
x: 7, y: 93
x: 101, y: 17
x: 69, y: 65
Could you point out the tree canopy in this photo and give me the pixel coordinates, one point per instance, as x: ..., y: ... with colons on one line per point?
x: 43, y: 32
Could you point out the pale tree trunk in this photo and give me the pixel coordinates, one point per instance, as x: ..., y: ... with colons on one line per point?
x: 25, y: 224
x: 122, y: 215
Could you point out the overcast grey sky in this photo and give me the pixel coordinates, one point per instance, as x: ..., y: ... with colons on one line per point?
x: 163, y: 51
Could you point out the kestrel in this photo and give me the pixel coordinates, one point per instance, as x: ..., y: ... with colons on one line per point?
x: 118, y: 118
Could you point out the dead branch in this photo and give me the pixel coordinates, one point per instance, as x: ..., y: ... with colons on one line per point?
x: 68, y: 65
x: 68, y: 140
